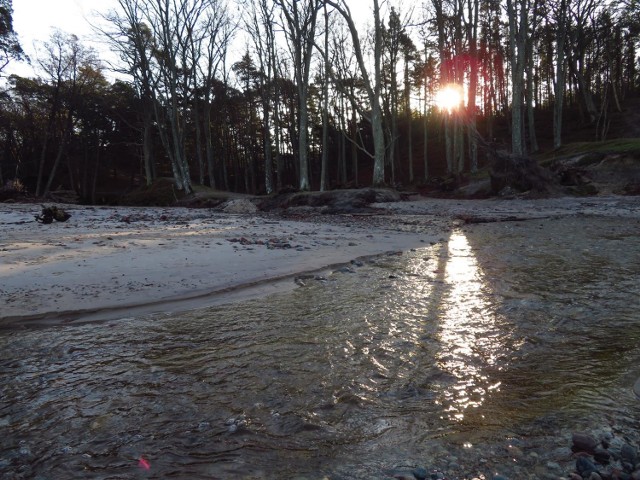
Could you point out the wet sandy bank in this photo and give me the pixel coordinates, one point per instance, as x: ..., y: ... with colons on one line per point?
x: 119, y: 262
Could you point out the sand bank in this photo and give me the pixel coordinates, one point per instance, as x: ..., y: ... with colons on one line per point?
x: 117, y: 262
x: 123, y: 260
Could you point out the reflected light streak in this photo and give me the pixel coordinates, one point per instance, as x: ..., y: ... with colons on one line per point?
x: 466, y: 328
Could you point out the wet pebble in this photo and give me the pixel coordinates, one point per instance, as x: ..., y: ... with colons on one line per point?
x: 585, y: 467
x: 420, y: 473
x: 344, y: 270
x: 583, y: 442
x: 628, y: 454
x: 235, y: 424
x: 67, y: 449
x: 204, y: 426
x: 609, y: 457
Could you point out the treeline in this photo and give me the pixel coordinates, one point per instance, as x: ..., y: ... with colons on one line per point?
x: 318, y: 98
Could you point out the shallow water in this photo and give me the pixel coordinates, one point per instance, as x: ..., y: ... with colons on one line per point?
x: 447, y: 356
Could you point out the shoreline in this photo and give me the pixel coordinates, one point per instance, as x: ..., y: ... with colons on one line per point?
x: 180, y: 303
x: 106, y: 263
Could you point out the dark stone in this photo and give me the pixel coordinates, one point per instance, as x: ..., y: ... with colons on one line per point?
x: 420, y: 473
x: 582, y: 442
x: 585, y: 467
x: 636, y: 388
x: 344, y: 270
x: 400, y: 474
x: 601, y: 456
x: 628, y: 454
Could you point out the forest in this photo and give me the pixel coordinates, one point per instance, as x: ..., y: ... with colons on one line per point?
x: 266, y: 96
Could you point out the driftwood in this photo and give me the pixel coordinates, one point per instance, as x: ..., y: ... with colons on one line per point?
x: 49, y: 214
x: 471, y: 219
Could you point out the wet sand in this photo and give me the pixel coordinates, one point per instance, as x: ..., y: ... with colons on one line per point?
x: 109, y: 262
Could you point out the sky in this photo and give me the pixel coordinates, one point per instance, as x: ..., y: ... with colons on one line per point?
x: 35, y: 20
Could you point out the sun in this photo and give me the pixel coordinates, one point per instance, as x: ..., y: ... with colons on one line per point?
x: 449, y: 97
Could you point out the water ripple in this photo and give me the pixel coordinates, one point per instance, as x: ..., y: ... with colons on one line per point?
x: 479, y: 336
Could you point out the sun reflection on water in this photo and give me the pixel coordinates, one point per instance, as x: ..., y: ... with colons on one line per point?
x: 467, y: 331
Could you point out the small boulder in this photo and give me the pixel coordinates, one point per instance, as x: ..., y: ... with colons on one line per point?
x: 239, y: 206
x: 583, y: 442
x: 585, y: 467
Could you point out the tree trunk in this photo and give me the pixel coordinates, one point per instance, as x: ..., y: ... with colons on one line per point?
x: 277, y: 134
x: 517, y: 16
x: 198, y: 146
x: 448, y: 142
x: 408, y: 115
x: 208, y: 144
x: 61, y: 151
x: 303, y: 142
x: 425, y: 126
x: 372, y: 86
x: 472, y: 35
x: 45, y: 143
x: 560, y: 77
x: 529, y: 93
x: 147, y: 147
x: 354, y: 149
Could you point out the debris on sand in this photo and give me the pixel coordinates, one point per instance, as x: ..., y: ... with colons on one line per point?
x: 49, y: 214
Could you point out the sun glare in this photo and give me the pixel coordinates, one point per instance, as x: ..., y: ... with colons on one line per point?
x: 449, y: 98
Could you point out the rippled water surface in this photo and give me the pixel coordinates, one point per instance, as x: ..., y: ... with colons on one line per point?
x: 511, y: 331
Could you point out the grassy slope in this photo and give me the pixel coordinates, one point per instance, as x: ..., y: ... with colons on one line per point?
x: 627, y: 146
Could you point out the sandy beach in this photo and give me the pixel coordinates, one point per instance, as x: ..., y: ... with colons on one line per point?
x: 114, y: 262
x: 122, y: 261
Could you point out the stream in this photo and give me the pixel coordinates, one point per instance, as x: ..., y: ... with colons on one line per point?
x: 476, y: 355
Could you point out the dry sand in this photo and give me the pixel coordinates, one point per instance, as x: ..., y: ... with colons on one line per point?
x: 118, y: 262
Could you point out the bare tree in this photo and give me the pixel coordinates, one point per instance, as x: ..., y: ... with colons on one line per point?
x: 534, y: 22
x: 580, y: 34
x: 133, y: 40
x: 300, y: 25
x: 560, y: 13
x: 372, y: 83
x: 260, y: 26
x: 471, y: 27
x: 166, y: 42
x: 517, y: 11
x: 347, y: 84
x: 175, y: 24
x: 61, y: 63
x: 325, y: 104
x: 217, y: 33
x: 397, y: 45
